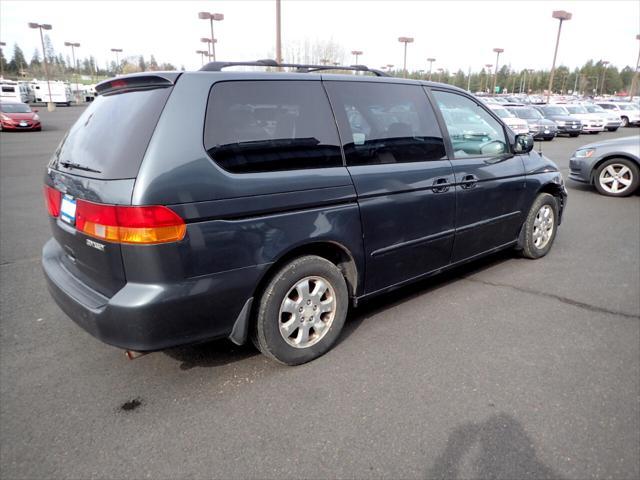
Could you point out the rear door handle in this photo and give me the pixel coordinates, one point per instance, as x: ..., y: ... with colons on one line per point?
x: 441, y: 185
x: 469, y: 181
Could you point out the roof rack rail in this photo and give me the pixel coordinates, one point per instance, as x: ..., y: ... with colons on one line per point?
x: 300, y: 67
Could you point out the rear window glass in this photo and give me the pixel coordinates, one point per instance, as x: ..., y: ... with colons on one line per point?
x: 112, y: 135
x: 268, y: 126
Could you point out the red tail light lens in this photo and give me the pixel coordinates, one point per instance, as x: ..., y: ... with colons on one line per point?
x: 52, y: 199
x: 137, y: 225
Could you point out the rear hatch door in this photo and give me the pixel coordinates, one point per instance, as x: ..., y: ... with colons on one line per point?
x: 98, y: 161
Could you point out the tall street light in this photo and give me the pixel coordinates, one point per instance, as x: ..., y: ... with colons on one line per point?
x: 488, y: 66
x: 604, y: 72
x: 440, y: 70
x: 634, y: 82
x: 2, y: 44
x: 430, y: 60
x: 356, y: 53
x: 495, y: 76
x: 202, y: 53
x: 278, y: 33
x: 208, y: 42
x: 405, y: 40
x: 117, y: 51
x: 211, y: 17
x: 562, y: 16
x: 75, y: 65
x: 45, y: 26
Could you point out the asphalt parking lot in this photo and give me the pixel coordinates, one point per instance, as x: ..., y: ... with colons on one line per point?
x: 506, y: 368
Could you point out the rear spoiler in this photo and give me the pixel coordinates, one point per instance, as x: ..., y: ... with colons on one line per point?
x: 143, y: 81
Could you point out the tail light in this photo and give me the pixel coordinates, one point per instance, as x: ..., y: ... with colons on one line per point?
x: 52, y: 199
x: 136, y: 225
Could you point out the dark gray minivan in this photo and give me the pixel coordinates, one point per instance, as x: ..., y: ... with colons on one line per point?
x: 188, y: 206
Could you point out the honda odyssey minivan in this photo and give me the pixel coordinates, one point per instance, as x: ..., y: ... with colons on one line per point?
x: 260, y: 206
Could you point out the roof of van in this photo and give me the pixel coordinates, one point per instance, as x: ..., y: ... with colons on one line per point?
x: 173, y: 76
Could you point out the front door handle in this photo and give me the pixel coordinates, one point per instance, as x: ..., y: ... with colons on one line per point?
x: 441, y: 185
x: 469, y: 181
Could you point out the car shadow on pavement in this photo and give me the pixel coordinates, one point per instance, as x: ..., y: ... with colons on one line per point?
x: 222, y: 352
x: 386, y: 301
x: 498, y: 448
x: 211, y: 354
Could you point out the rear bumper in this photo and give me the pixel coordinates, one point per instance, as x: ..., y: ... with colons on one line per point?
x: 148, y: 317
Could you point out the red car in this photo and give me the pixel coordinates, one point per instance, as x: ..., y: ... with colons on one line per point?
x: 18, y: 116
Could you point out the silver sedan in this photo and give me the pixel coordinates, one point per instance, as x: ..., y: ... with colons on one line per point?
x: 613, y: 166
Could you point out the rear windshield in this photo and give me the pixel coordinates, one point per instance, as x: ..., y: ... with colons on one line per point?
x: 112, y: 135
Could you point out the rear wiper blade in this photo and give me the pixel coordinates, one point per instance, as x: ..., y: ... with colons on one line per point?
x: 79, y: 167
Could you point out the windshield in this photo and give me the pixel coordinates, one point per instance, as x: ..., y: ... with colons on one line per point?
x: 576, y: 109
x: 14, y: 108
x: 503, y: 112
x: 555, y: 111
x: 528, y: 113
x: 594, y: 109
x: 627, y: 107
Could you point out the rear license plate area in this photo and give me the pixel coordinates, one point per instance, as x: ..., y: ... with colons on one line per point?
x: 68, y: 209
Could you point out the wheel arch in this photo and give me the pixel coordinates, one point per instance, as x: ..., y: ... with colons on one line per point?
x: 332, y: 251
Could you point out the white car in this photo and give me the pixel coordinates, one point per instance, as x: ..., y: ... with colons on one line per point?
x: 611, y: 119
x: 518, y: 125
x: 591, y: 122
x: 629, y: 113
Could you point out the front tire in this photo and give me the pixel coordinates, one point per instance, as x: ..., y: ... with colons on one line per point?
x: 625, y: 122
x: 612, y: 129
x: 617, y: 177
x: 540, y: 226
x: 301, y: 311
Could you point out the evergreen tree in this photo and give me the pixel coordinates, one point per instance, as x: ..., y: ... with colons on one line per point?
x: 18, y: 62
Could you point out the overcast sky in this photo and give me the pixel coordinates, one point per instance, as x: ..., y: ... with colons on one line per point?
x: 459, y: 34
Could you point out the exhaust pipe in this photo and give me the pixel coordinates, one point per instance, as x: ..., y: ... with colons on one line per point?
x: 132, y: 354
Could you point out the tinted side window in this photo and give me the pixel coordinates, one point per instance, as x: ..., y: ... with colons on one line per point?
x: 385, y: 123
x: 264, y: 126
x: 472, y: 130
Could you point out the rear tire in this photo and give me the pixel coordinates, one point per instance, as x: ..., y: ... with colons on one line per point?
x: 540, y: 227
x: 617, y: 177
x: 301, y: 311
x: 612, y: 129
x: 625, y: 122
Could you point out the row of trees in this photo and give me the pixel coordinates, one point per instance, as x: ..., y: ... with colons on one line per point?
x: 584, y: 80
x: 587, y: 79
x: 61, y: 66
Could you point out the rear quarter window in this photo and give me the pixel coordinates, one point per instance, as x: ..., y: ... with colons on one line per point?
x: 264, y: 126
x: 112, y: 134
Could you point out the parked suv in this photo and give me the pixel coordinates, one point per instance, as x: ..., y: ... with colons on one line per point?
x: 565, y: 122
x: 629, y: 112
x: 199, y: 205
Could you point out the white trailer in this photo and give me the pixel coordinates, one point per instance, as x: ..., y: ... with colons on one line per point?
x: 60, y: 92
x: 10, y: 91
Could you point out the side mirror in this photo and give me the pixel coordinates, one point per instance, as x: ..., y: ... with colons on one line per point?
x: 523, y: 144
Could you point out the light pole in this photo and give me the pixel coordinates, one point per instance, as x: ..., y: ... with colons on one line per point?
x: 562, y: 16
x: 202, y: 53
x: 117, y: 51
x: 356, y: 53
x: 488, y: 66
x: 595, y: 90
x: 208, y: 42
x: 45, y: 26
x: 634, y: 82
x: 430, y: 60
x: 211, y: 17
x: 495, y: 76
x: 405, y: 40
x: 390, y: 66
x: 75, y: 65
x: 604, y: 72
x: 440, y: 70
x: 278, y: 33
